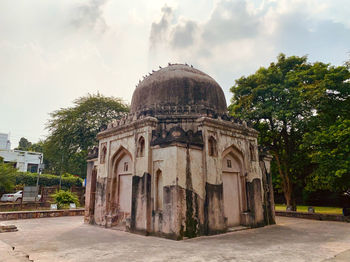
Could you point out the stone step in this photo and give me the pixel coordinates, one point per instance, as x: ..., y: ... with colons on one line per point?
x: 121, y: 226
x: 237, y: 228
x: 9, y: 228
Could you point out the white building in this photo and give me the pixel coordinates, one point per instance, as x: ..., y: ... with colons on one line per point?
x: 23, y: 160
x: 5, y: 143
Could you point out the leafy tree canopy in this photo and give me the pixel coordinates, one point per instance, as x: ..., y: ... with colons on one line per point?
x: 24, y: 144
x: 286, y: 101
x: 37, y: 147
x: 330, y: 150
x: 328, y: 136
x: 7, y: 177
x: 73, y: 131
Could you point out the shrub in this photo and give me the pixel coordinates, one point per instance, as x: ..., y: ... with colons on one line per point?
x: 29, y: 179
x: 64, y: 198
x: 68, y: 175
x: 7, y: 179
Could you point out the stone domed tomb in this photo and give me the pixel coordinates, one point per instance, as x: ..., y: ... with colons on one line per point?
x: 178, y: 165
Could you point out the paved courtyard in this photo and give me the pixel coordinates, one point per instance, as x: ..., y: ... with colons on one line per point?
x: 68, y: 239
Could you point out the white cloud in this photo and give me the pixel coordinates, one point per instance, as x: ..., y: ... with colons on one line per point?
x: 52, y: 52
x: 239, y: 36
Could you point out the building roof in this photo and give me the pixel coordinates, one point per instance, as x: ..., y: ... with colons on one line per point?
x: 181, y: 88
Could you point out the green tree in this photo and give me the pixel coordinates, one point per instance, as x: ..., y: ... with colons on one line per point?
x: 43, y: 147
x: 24, y: 144
x: 284, y: 102
x: 37, y: 147
x: 73, y: 131
x: 7, y: 177
x: 328, y: 140
x: 330, y: 150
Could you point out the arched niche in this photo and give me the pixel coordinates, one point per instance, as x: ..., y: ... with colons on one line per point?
x: 141, y: 147
x: 212, y: 147
x: 159, y: 190
x: 233, y: 179
x: 103, y: 153
x: 121, y: 182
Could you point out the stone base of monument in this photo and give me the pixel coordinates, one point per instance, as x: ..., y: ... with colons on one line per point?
x: 9, y: 228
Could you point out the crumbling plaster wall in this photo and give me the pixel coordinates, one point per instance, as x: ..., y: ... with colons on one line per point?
x: 196, y: 169
x: 165, y: 159
x: 226, y: 139
x: 245, y: 142
x: 89, y: 200
x: 177, y: 161
x: 120, y: 139
x: 173, y: 162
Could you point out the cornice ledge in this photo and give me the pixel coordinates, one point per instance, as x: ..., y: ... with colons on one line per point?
x: 227, y: 124
x: 128, y: 126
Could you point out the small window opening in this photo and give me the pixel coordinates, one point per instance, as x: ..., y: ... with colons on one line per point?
x: 126, y: 166
x: 229, y: 163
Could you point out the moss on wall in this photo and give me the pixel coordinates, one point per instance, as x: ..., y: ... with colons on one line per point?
x: 191, y: 216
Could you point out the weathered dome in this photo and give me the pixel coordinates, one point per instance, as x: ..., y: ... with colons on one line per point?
x: 178, y: 89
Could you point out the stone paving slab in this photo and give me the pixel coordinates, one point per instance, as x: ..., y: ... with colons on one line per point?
x: 341, y: 257
x: 68, y: 239
x: 7, y: 254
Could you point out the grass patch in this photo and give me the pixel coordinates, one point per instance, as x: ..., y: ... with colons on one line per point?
x: 321, y: 210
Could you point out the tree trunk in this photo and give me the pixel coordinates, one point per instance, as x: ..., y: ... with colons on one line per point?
x: 287, y: 185
x: 289, y: 195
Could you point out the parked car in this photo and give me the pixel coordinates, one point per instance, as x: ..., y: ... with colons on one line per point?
x: 15, y: 197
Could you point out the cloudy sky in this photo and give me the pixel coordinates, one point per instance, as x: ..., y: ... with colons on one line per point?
x: 52, y: 52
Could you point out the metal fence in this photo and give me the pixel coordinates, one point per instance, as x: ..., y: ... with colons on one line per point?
x: 30, y: 194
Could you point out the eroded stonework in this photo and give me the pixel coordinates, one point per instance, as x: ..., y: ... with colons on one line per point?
x: 178, y: 166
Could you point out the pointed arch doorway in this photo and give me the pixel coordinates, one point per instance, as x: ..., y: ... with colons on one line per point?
x: 233, y: 187
x: 121, y: 186
x: 125, y: 184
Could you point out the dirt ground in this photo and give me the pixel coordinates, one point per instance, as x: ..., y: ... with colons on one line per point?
x: 69, y: 239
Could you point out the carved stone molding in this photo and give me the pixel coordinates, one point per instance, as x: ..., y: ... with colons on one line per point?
x: 177, y: 134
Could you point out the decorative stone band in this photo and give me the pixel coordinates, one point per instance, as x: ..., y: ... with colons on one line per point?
x: 178, y: 135
x: 168, y: 109
x: 139, y: 119
x: 229, y: 126
x: 93, y: 153
x: 128, y: 126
